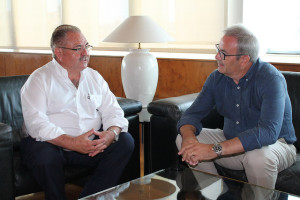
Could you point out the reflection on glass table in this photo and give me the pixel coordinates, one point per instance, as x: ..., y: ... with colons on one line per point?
x: 188, y: 184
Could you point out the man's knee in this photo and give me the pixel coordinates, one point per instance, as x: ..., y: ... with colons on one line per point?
x: 259, y: 162
x: 260, y: 168
x: 127, y: 142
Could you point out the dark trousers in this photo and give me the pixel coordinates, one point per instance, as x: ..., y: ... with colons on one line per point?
x: 47, y: 161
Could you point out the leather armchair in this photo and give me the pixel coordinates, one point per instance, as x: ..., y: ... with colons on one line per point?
x: 15, y: 177
x: 166, y: 113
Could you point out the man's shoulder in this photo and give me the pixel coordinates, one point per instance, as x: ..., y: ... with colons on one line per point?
x: 216, y: 76
x: 91, y: 71
x: 43, y: 70
x: 267, y: 70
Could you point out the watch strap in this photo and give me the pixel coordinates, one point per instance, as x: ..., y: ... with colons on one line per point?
x: 116, y: 135
x: 116, y: 138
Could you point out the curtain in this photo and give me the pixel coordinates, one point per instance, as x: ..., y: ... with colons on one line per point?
x: 196, y: 25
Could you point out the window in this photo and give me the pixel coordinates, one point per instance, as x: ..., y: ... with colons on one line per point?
x: 196, y: 25
x: 276, y: 23
x: 29, y: 23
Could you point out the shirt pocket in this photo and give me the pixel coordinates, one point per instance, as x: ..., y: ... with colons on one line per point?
x: 93, y: 103
x: 96, y: 99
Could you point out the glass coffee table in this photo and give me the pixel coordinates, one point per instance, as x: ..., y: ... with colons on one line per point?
x: 188, y: 184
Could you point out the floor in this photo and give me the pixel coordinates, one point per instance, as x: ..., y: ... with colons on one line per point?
x: 73, y: 191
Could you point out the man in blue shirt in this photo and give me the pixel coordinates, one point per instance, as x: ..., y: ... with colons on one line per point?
x: 258, y: 133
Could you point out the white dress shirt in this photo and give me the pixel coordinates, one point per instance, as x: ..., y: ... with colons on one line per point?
x: 53, y: 106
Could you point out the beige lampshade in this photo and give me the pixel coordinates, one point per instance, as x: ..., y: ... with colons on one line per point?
x: 138, y: 29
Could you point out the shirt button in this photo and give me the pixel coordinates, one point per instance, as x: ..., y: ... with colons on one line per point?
x: 237, y: 105
x: 238, y: 87
x: 237, y: 122
x: 246, y: 79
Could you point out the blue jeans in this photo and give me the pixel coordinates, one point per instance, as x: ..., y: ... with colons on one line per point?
x: 47, y: 161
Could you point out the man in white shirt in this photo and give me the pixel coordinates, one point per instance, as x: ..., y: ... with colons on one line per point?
x: 65, y: 104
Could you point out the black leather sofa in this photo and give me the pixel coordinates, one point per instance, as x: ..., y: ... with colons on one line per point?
x: 15, y: 179
x: 162, y: 151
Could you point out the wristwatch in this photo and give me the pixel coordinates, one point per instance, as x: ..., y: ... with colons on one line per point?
x: 116, y: 135
x: 218, y: 149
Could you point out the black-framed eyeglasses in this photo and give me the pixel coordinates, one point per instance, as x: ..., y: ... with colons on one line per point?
x: 79, y: 49
x: 223, y: 55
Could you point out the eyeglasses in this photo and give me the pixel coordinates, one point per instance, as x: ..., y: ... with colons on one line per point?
x: 79, y: 49
x: 223, y: 55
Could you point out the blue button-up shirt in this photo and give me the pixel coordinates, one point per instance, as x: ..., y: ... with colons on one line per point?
x: 257, y: 110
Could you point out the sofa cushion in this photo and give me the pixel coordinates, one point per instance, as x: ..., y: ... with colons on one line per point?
x: 288, y: 180
x: 293, y: 86
x: 10, y: 107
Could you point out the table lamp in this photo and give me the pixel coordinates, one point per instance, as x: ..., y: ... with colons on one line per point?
x: 139, y: 69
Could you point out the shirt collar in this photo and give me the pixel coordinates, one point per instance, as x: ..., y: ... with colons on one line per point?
x: 63, y: 72
x: 59, y: 69
x: 252, y: 70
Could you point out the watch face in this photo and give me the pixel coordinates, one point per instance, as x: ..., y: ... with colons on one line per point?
x: 218, y: 149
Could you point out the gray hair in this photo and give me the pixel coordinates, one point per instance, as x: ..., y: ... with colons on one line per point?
x: 59, y: 35
x: 247, y: 42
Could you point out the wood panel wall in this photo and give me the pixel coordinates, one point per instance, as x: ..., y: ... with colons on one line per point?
x: 176, y: 76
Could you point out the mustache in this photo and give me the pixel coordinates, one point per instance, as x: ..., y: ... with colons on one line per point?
x: 84, y: 58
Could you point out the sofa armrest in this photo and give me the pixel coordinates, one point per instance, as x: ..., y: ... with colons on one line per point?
x: 6, y: 162
x: 129, y: 106
x: 173, y: 107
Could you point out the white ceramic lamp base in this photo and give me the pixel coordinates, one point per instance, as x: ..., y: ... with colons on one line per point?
x: 139, y: 73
